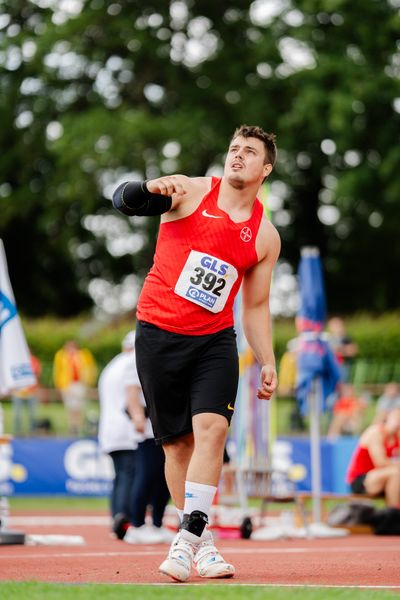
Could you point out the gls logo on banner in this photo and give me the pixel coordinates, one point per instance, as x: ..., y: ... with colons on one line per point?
x: 89, y: 471
x: 8, y: 310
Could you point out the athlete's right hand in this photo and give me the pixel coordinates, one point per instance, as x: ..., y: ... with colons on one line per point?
x: 168, y: 185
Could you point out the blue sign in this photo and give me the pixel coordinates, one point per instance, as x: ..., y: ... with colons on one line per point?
x: 59, y: 467
x: 335, y: 458
x: 8, y: 310
x: 79, y: 468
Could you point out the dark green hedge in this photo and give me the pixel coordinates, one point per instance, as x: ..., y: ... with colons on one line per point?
x: 47, y: 335
x: 378, y: 337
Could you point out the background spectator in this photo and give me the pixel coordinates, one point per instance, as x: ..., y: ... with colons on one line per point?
x: 125, y: 434
x: 389, y: 400
x: 117, y: 435
x: 26, y: 399
x: 344, y: 348
x: 348, y: 412
x: 374, y: 468
x: 287, y: 377
x: 74, y: 371
x: 288, y: 370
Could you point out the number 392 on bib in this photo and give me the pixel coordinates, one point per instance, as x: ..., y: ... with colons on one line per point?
x: 206, y: 280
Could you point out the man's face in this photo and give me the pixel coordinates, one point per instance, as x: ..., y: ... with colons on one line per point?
x: 245, y: 162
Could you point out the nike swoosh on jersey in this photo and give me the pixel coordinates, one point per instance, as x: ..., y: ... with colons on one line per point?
x: 206, y: 214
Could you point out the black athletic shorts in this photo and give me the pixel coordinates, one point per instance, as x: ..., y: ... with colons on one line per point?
x: 183, y: 375
x: 357, y: 485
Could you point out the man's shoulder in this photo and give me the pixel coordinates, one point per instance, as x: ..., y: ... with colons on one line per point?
x: 199, y: 184
x: 268, y: 239
x: 269, y: 228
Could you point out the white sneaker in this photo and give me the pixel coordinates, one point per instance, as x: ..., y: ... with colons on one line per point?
x: 178, y: 563
x: 167, y: 535
x: 209, y: 562
x: 146, y: 534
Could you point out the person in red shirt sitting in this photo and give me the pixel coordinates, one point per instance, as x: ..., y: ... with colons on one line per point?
x: 374, y: 468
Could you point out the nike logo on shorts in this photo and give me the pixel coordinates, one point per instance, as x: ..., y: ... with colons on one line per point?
x: 230, y: 407
x: 206, y: 214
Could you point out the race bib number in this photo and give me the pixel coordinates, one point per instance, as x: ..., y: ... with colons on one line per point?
x: 206, y: 281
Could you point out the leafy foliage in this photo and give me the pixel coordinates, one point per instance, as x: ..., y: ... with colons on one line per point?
x: 89, y: 97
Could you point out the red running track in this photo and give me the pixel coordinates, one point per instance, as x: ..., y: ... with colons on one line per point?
x: 357, y: 560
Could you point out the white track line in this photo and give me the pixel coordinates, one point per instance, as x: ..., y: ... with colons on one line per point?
x: 148, y: 551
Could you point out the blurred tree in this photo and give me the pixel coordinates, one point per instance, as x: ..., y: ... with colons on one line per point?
x: 94, y: 92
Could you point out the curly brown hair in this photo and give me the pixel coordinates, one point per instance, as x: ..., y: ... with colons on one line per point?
x: 268, y: 140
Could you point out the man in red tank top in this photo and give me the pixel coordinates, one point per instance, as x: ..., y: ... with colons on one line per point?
x: 213, y: 238
x: 374, y: 468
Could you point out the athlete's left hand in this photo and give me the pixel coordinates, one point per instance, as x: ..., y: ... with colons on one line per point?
x: 168, y: 185
x: 269, y: 382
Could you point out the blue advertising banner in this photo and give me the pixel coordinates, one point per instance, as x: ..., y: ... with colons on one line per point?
x: 54, y: 467
x: 298, y: 463
x: 78, y: 468
x: 335, y: 457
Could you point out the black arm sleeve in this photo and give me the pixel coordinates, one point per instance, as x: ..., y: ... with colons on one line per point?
x: 133, y: 198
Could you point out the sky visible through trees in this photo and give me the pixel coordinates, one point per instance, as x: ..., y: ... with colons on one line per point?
x: 93, y: 93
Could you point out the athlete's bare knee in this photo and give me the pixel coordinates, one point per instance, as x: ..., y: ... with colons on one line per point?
x: 210, y: 430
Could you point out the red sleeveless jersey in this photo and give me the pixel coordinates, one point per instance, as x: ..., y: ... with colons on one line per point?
x: 361, y: 461
x: 198, y: 267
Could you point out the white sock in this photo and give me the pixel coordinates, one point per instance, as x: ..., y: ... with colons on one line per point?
x: 198, y: 496
x: 180, y: 514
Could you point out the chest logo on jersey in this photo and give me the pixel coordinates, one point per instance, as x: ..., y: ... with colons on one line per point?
x: 246, y: 234
x: 207, y: 214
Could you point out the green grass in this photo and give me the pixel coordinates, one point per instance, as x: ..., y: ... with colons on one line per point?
x: 54, y: 411
x: 55, y: 504
x: 58, y: 503
x: 44, y: 591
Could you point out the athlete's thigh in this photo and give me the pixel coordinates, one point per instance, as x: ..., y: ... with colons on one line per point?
x: 163, y: 365
x: 216, y: 375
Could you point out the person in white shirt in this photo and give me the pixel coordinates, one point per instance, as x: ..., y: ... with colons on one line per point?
x: 125, y: 433
x: 150, y: 488
x: 117, y: 435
